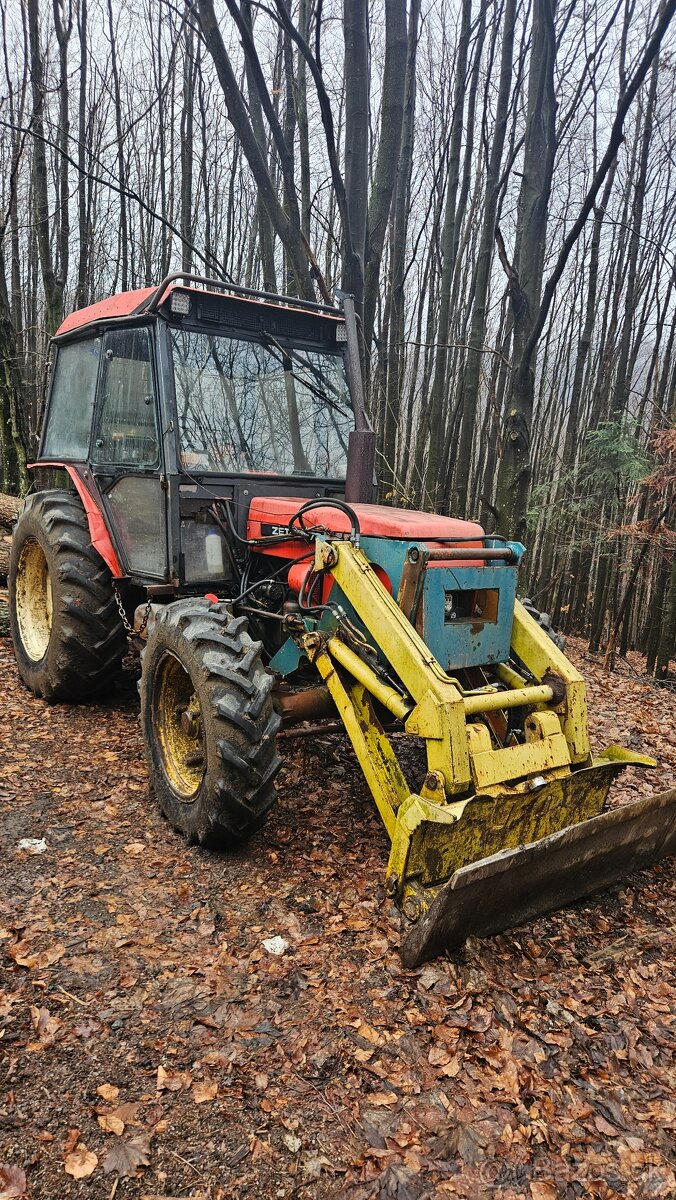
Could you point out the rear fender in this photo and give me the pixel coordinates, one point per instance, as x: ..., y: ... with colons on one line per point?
x: 98, y: 529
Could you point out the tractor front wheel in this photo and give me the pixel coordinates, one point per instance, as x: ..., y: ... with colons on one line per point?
x: 68, y: 637
x: 208, y: 723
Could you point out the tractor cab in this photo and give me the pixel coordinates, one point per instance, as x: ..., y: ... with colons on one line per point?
x: 171, y: 407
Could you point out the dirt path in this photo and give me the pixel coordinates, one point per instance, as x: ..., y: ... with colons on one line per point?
x: 151, y: 1044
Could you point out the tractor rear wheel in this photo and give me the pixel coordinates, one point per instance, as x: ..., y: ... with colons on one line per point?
x: 68, y: 637
x: 208, y: 723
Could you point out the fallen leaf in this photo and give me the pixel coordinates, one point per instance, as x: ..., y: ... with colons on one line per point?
x: 133, y: 849
x: 44, y: 1024
x: 292, y: 1142
x: 126, y: 1112
x: 604, y: 1126
x: 383, y: 1099
x: 400, y: 1183
x: 378, y: 1126
x: 108, y: 1091
x: 25, y: 957
x: 12, y: 1182
x: 111, y: 1124
x: 202, y: 1092
x: 369, y: 1034
x: 71, y: 1141
x: 315, y: 1164
x: 543, y: 1191
x: 465, y: 1139
x: 81, y: 1162
x: 452, y: 1068
x: 126, y: 1157
x: 172, y: 1081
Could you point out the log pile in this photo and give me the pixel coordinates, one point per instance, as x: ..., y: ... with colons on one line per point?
x: 9, y: 507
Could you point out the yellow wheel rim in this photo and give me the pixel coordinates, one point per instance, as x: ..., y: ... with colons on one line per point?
x: 33, y: 600
x: 178, y: 728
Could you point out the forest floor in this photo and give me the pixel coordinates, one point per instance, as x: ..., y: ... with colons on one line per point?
x: 152, y: 1047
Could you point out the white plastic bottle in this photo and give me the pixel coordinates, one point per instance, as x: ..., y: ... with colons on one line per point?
x: 214, y: 550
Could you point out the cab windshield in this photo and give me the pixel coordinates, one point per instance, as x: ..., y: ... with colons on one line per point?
x: 247, y: 406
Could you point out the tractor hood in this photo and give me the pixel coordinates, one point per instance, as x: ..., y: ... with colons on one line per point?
x: 269, y: 515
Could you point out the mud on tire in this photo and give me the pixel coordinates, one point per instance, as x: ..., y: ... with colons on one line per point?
x: 68, y: 637
x: 208, y: 723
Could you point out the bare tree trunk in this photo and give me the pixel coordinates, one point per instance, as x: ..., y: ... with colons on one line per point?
x: 187, y: 148
x: 83, y: 231
x: 525, y: 278
x: 469, y: 393
x: 265, y: 231
x: 355, y: 30
x: 13, y: 474
x: 52, y: 284
x: 303, y: 126
x: 285, y: 223
x: 394, y: 377
x: 389, y: 150
x: 121, y: 169
x: 63, y: 23
x: 623, y: 376
x: 667, y: 645
x: 572, y: 438
x: 434, y: 485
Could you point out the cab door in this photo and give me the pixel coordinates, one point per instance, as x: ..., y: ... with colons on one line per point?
x: 126, y: 456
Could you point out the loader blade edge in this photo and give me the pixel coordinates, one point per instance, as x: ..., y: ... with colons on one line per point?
x: 513, y: 886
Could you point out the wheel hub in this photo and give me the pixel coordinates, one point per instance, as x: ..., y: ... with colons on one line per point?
x: 33, y: 600
x: 178, y: 728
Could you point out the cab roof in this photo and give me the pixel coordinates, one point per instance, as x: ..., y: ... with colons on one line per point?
x: 125, y: 304
x: 122, y: 305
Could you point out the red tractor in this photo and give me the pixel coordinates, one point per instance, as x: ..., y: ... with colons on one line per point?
x: 220, y: 516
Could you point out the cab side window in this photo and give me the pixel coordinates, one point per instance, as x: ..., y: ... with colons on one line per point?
x: 71, y: 401
x: 127, y: 424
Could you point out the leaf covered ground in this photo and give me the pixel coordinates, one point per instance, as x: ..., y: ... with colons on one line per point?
x: 152, y: 1045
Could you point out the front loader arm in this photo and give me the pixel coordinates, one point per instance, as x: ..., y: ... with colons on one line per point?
x: 477, y: 801
x: 436, y: 708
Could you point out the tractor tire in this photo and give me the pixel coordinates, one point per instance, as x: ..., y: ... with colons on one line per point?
x: 208, y: 723
x: 545, y: 622
x: 68, y: 638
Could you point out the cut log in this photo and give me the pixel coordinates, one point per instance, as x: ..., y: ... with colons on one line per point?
x: 9, y: 507
x: 4, y: 558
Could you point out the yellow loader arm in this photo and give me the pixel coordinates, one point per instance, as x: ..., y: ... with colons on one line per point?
x: 495, y: 833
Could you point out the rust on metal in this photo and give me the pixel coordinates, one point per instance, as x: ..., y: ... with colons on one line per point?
x: 473, y: 554
x: 411, y: 585
x: 311, y: 704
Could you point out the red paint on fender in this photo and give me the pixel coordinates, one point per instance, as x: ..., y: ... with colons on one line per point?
x: 98, y: 530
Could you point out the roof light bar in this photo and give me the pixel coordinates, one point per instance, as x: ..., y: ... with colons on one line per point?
x: 180, y: 303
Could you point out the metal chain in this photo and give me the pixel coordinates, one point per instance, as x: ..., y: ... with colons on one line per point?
x: 128, y: 627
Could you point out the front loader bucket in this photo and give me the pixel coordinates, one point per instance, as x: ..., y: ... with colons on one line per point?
x: 515, y: 885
